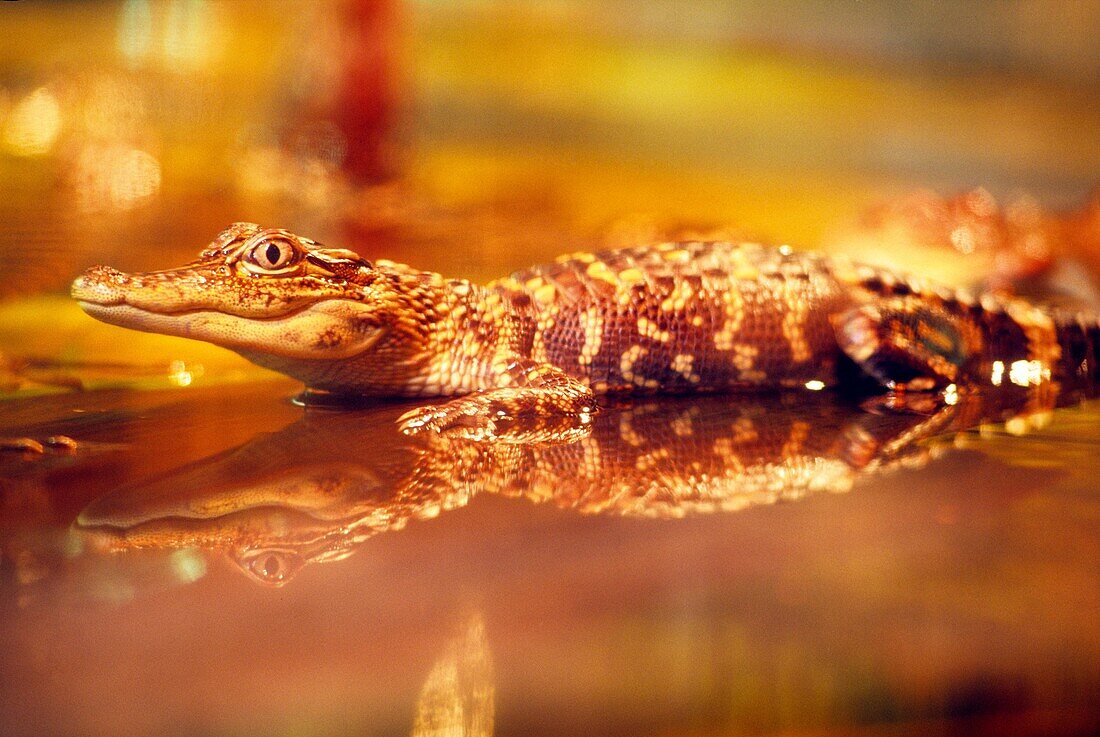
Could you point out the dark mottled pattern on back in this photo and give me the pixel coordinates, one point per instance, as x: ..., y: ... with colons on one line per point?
x: 687, y: 317
x: 718, y: 316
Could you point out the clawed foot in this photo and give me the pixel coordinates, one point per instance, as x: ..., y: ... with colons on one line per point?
x: 484, y: 419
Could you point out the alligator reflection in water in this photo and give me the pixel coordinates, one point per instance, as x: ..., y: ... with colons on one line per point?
x: 319, y: 488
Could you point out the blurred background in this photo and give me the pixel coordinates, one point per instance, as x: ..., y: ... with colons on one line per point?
x: 474, y: 137
x: 957, y: 138
x: 133, y: 131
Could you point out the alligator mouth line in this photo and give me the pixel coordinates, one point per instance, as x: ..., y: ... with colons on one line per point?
x: 266, y: 336
x: 93, y: 307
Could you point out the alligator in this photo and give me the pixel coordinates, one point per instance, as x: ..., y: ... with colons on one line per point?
x: 676, y: 317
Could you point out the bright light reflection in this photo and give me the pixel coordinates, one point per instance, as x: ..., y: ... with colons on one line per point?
x: 815, y: 385
x: 135, y: 30
x: 188, y: 565
x: 458, y: 695
x: 33, y: 125
x: 187, y: 33
x: 115, y: 177
x: 180, y: 374
x: 963, y: 239
x: 998, y: 373
x: 1026, y: 373
x: 951, y: 394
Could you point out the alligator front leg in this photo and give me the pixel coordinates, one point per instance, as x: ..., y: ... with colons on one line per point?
x: 530, y: 402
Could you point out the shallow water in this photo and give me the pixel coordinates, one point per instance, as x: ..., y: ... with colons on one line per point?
x: 212, y: 559
x: 695, y: 566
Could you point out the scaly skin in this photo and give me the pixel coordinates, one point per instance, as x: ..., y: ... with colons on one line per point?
x: 673, y: 317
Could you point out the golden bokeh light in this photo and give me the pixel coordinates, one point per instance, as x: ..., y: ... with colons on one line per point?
x: 33, y: 125
x: 114, y: 177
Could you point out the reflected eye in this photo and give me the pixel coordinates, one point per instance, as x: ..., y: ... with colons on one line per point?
x: 272, y: 567
x: 271, y: 255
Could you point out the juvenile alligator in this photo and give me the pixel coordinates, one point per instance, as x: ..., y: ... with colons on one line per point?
x: 672, y: 317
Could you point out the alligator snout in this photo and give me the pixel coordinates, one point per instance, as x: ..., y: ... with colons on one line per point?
x: 100, y: 285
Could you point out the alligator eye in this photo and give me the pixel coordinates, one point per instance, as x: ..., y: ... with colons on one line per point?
x: 271, y: 255
x: 273, y: 567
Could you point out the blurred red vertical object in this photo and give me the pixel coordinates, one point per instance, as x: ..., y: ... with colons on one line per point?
x: 367, y: 100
